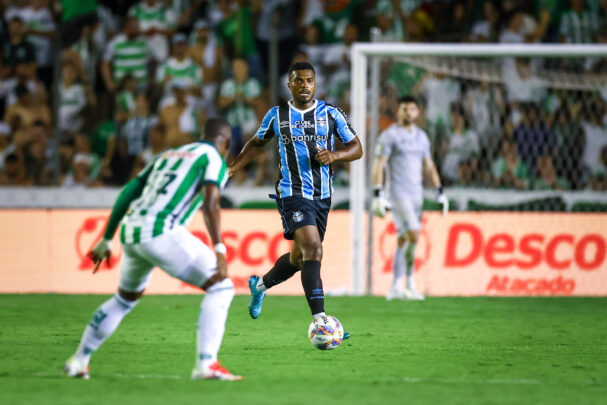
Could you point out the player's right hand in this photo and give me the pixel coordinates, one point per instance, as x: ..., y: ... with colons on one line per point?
x: 220, y: 274
x: 102, y: 250
x: 378, y: 206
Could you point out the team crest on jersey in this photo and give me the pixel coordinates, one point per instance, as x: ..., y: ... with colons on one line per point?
x: 297, y: 216
x: 303, y: 124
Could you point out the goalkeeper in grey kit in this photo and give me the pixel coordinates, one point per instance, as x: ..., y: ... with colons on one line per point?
x: 405, y: 149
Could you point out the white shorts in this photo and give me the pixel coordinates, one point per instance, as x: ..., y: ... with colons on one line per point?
x: 407, y: 215
x: 179, y: 253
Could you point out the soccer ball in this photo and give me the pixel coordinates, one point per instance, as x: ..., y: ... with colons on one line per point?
x: 326, y: 333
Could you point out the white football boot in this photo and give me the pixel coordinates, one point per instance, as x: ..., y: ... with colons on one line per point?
x: 214, y: 371
x: 74, y: 368
x: 395, y: 293
x: 412, y: 294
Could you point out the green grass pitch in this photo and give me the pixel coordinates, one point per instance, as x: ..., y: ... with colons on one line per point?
x: 442, y: 350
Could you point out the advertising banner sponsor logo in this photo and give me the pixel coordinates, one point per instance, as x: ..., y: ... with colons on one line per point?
x: 500, y: 254
x: 46, y: 251
x: 506, y: 254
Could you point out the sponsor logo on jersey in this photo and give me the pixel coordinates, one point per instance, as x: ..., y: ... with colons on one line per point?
x: 297, y: 216
x: 302, y: 124
x: 286, y: 139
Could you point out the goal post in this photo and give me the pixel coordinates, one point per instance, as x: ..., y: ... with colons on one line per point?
x: 364, y: 104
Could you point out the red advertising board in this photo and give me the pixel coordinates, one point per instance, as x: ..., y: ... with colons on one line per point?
x: 503, y: 254
x: 466, y: 254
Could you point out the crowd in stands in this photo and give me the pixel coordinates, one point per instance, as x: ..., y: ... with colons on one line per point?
x: 92, y: 90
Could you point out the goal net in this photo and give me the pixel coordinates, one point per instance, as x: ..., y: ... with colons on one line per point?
x: 519, y: 128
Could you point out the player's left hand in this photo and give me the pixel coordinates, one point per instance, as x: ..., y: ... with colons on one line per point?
x: 442, y: 198
x: 324, y: 157
x: 102, y: 250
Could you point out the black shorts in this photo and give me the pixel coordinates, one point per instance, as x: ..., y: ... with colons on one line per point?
x: 298, y: 211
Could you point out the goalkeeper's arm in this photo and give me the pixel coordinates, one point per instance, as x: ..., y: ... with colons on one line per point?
x: 430, y: 170
x: 378, y: 204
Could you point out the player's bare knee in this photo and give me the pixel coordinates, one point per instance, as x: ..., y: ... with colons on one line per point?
x: 130, y: 296
x: 401, y: 241
x: 312, y: 251
x: 413, y: 236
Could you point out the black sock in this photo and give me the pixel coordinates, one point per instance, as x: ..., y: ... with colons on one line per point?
x: 282, y: 271
x: 312, y: 284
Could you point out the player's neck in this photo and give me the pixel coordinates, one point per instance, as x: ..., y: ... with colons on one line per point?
x: 408, y: 126
x: 303, y: 106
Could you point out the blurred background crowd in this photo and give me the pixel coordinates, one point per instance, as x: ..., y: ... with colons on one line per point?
x: 91, y: 91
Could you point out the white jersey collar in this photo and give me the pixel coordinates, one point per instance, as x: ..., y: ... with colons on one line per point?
x: 303, y: 111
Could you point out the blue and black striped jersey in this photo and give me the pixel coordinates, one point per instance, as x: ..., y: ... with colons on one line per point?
x: 299, y: 132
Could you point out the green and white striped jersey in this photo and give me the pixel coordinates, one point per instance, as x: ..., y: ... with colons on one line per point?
x: 128, y: 57
x: 158, y: 16
x: 186, y: 72
x: 171, y: 194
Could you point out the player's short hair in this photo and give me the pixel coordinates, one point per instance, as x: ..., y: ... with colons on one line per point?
x: 213, y: 126
x: 300, y: 66
x: 407, y: 99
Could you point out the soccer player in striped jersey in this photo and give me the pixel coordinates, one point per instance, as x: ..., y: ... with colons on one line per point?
x: 306, y: 129
x: 153, y: 210
x: 405, y: 149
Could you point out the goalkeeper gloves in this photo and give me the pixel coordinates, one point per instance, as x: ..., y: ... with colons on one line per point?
x: 442, y: 199
x: 378, y: 204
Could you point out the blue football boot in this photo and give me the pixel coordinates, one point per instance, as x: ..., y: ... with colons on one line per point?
x: 256, y: 298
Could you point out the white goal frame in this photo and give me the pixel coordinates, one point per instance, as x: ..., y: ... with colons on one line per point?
x: 363, y: 56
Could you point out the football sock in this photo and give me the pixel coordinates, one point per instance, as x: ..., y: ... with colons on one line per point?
x: 398, y: 265
x: 410, y: 260
x: 282, y: 271
x: 312, y: 285
x: 104, y: 322
x: 212, y: 321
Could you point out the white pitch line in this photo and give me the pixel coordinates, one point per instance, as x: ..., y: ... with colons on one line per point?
x: 122, y: 375
x: 521, y: 381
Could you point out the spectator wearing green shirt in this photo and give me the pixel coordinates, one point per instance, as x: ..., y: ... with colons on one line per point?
x: 75, y: 14
x: 547, y: 178
x: 235, y: 34
x: 126, y: 54
x: 180, y: 67
x: 508, y: 170
x: 237, y: 97
x: 157, y: 23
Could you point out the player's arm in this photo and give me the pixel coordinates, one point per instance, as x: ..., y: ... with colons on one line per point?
x: 378, y: 171
x: 430, y: 171
x: 378, y: 204
x: 251, y: 149
x: 211, y: 211
x: 129, y: 192
x: 256, y: 144
x: 353, y: 149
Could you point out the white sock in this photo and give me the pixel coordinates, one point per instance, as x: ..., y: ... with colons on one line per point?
x: 398, y: 266
x: 104, y: 322
x: 212, y: 321
x: 260, y: 286
x: 318, y: 315
x: 410, y: 282
x: 410, y: 262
